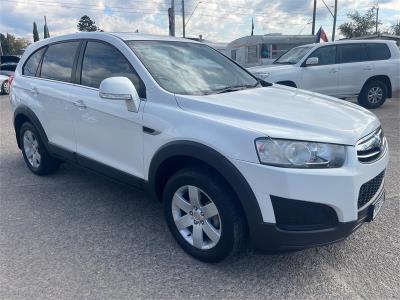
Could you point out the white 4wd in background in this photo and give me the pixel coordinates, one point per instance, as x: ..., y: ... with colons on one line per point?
x: 367, y: 69
x: 229, y: 156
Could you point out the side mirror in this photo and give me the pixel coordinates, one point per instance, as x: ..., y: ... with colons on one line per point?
x: 120, y: 88
x: 312, y: 61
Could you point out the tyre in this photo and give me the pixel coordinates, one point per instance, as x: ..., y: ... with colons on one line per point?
x: 36, y: 157
x: 373, y: 94
x: 202, y: 215
x: 5, y: 88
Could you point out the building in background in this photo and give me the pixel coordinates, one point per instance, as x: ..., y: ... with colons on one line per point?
x: 258, y: 50
x: 380, y: 36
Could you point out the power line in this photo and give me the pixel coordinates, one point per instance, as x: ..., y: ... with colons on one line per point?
x: 192, y: 12
x: 79, y: 6
x: 327, y: 7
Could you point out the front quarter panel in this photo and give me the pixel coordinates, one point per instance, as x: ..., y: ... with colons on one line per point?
x: 171, y: 123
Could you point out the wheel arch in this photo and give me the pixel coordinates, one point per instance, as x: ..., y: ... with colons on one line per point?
x: 24, y: 114
x: 175, y: 155
x: 382, y: 78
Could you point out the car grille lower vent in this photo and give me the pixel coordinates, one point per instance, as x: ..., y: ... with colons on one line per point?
x: 369, y: 189
x: 371, y: 147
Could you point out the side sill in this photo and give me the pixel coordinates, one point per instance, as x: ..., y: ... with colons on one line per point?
x: 97, y: 167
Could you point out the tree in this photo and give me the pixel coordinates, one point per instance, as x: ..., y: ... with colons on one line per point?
x: 86, y: 24
x: 46, y: 33
x: 359, y: 25
x: 396, y: 28
x: 12, y: 45
x: 35, y: 32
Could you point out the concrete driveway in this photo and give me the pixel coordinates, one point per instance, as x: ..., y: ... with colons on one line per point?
x: 76, y: 235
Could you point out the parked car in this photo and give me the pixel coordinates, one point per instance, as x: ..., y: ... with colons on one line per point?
x: 228, y: 155
x: 369, y: 70
x: 8, y: 64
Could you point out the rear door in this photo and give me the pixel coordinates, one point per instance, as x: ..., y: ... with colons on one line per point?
x: 323, y: 77
x: 354, y: 68
x: 53, y: 91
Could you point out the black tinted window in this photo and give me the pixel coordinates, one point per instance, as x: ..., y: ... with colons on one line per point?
x: 352, y: 53
x: 8, y: 67
x: 102, y: 61
x: 378, y: 51
x: 32, y: 63
x: 326, y: 55
x: 58, y: 61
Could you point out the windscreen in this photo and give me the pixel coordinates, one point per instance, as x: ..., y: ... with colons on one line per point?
x: 293, y: 56
x: 190, y: 68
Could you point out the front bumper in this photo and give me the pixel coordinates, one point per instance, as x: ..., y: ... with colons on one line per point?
x: 338, y: 189
x: 269, y: 236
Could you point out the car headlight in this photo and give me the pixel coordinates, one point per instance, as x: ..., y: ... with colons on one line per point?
x: 263, y: 76
x: 299, y: 154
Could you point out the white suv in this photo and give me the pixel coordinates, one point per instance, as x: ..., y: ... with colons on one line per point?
x: 369, y: 70
x: 228, y: 155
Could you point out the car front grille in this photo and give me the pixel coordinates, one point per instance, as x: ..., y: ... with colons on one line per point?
x: 369, y: 189
x: 371, y: 147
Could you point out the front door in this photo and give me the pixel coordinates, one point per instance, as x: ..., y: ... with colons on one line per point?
x: 106, y: 132
x: 323, y: 77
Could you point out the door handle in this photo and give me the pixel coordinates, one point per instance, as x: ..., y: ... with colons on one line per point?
x: 368, y: 68
x: 80, y: 104
x: 333, y: 71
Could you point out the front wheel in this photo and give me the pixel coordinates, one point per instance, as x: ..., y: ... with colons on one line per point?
x: 373, y: 94
x: 202, y: 214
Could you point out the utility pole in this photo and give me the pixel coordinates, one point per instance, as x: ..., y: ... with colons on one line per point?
x: 171, y: 18
x: 183, y: 19
x: 377, y: 19
x: 334, y: 21
x: 313, y: 17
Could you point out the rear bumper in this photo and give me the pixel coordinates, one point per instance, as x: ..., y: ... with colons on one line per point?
x: 268, y: 236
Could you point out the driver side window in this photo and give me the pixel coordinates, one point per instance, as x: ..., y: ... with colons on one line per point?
x: 326, y: 55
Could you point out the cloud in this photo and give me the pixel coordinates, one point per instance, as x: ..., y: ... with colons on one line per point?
x: 217, y: 20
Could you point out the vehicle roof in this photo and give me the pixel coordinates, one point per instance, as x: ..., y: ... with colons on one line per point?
x: 340, y: 42
x: 126, y: 36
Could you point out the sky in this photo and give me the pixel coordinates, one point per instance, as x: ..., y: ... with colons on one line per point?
x: 215, y: 20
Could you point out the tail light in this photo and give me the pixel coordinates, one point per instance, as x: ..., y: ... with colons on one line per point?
x: 10, y: 80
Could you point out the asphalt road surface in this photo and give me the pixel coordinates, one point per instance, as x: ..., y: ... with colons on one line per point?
x: 77, y: 235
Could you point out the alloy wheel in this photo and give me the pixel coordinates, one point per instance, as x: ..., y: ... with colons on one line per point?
x: 6, y: 88
x: 31, y: 149
x: 375, y: 94
x: 196, y: 217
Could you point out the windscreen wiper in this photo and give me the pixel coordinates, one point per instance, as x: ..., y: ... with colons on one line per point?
x: 234, y: 88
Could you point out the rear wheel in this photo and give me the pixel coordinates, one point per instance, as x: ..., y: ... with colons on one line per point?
x: 36, y: 157
x: 5, y: 88
x: 202, y: 215
x: 373, y: 94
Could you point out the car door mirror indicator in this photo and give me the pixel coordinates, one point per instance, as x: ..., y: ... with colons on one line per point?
x: 120, y: 88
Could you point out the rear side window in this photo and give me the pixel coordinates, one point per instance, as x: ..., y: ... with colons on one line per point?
x: 102, y: 61
x: 326, y: 55
x: 58, y: 61
x: 31, y: 65
x: 378, y: 51
x: 350, y: 53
